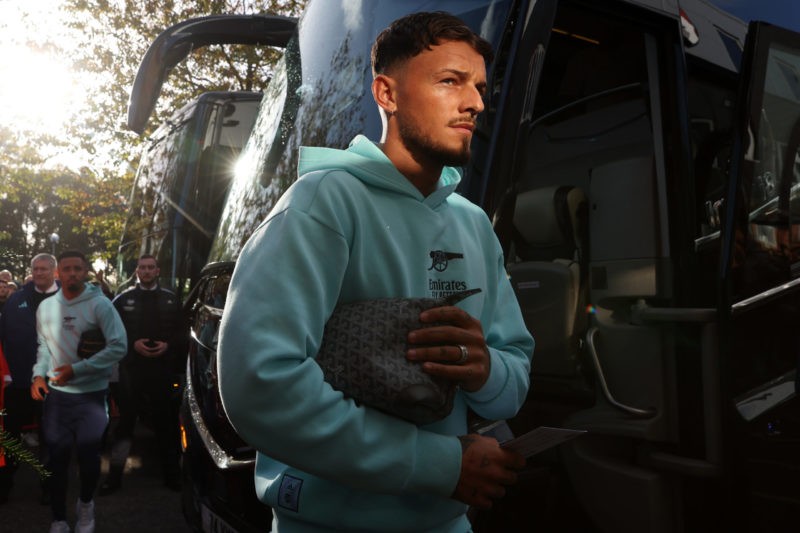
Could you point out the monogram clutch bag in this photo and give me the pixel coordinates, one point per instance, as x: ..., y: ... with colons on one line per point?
x: 363, y: 355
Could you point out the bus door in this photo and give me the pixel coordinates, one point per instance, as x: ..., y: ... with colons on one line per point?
x: 584, y: 216
x: 760, y: 287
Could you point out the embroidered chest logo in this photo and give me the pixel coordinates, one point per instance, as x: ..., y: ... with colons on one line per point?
x: 441, y: 259
x: 67, y: 323
x: 289, y: 493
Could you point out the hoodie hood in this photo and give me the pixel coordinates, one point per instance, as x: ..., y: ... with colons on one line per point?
x: 367, y: 162
x: 90, y: 291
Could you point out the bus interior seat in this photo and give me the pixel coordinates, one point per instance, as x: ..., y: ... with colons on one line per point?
x: 548, y: 272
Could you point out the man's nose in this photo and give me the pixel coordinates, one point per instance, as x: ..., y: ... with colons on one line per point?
x: 473, y: 101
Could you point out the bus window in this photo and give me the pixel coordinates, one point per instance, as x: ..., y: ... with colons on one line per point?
x: 585, y: 126
x: 767, y: 252
x: 158, y: 168
x: 181, y: 185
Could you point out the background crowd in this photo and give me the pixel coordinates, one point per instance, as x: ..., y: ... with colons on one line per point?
x: 86, y: 351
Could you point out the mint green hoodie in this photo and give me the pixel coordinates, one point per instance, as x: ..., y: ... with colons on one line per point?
x: 354, y: 228
x: 60, y: 322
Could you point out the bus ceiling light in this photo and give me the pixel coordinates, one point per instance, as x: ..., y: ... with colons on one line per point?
x: 575, y: 36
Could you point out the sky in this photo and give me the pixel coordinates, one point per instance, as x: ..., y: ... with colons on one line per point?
x: 37, y: 90
x: 785, y: 13
x: 39, y: 93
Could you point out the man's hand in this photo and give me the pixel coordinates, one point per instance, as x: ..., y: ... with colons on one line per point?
x: 39, y: 388
x: 462, y: 335
x: 486, y: 471
x: 150, y: 348
x: 63, y: 375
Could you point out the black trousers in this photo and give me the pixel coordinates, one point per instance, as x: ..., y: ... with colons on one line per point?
x: 145, y: 392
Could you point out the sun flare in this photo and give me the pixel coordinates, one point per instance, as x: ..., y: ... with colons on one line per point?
x: 38, y: 92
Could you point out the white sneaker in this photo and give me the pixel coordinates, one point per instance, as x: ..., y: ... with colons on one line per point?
x: 85, y: 512
x: 59, y: 527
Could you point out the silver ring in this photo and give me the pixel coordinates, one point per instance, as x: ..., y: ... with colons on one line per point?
x: 464, y: 354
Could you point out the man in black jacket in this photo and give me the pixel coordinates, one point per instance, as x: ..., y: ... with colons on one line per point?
x: 156, y: 342
x: 19, y: 340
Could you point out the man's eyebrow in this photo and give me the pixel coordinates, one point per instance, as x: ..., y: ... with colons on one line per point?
x: 461, y: 74
x: 454, y: 71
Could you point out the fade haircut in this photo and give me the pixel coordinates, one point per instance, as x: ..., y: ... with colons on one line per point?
x: 408, y: 36
x: 44, y: 257
x: 73, y: 253
x: 148, y: 256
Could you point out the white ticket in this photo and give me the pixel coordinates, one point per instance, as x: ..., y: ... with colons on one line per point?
x: 540, y: 439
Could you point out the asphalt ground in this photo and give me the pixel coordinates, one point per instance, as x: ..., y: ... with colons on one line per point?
x: 143, y: 504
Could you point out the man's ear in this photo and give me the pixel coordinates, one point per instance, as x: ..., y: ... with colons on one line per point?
x: 383, y: 91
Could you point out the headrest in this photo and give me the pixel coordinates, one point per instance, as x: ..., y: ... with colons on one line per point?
x: 548, y: 220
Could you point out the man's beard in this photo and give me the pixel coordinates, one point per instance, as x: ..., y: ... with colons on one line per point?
x: 423, y: 147
x: 74, y: 286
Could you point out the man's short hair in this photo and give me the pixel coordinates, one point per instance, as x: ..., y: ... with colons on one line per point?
x: 73, y: 253
x: 5, y: 275
x: 408, y: 36
x: 50, y: 258
x: 148, y: 256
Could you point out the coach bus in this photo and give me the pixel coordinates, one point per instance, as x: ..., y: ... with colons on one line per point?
x: 639, y: 161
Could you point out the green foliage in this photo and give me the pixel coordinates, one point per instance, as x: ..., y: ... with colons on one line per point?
x: 83, y: 209
x: 122, y: 31
x: 13, y: 448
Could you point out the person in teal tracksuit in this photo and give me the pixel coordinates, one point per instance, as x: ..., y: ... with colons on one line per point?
x: 379, y: 221
x: 73, y: 383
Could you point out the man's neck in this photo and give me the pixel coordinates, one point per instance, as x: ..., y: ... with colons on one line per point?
x: 424, y: 175
x: 47, y: 288
x: 70, y: 294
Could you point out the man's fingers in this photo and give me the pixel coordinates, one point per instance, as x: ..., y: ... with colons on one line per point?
x: 509, y: 478
x: 486, y: 471
x: 438, y: 335
x: 483, y: 498
x: 448, y: 314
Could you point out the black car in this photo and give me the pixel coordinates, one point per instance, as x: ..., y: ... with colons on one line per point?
x: 217, y: 466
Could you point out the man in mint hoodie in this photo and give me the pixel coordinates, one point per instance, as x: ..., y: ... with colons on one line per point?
x: 71, y: 377
x: 380, y: 221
